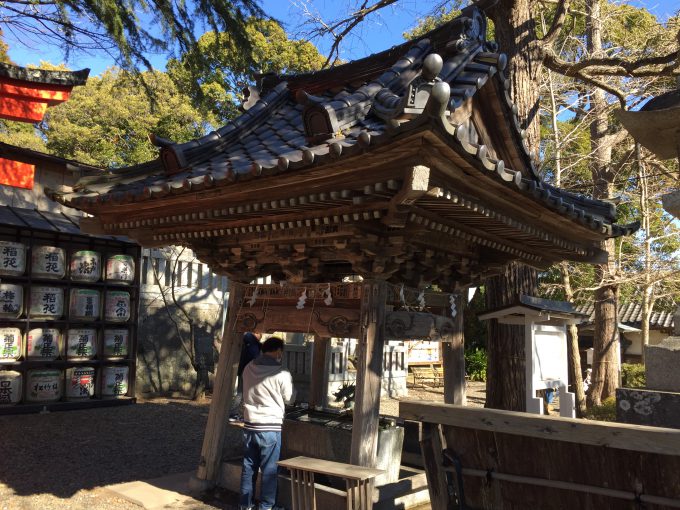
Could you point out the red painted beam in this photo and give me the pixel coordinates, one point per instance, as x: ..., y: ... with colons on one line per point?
x: 53, y: 94
x: 17, y: 174
x: 22, y: 110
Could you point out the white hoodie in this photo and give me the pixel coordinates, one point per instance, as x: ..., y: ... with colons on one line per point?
x: 267, y: 387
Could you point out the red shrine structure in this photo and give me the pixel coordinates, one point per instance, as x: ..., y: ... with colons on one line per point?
x: 25, y: 95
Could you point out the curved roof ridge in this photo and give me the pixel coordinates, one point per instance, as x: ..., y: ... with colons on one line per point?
x: 35, y: 75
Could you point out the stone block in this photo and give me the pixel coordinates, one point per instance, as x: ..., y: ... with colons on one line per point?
x: 648, y: 407
x: 661, y: 365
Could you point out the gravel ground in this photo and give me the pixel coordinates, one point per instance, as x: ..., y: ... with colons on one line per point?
x: 62, y: 460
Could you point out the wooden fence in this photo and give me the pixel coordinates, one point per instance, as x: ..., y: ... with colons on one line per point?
x: 489, y: 459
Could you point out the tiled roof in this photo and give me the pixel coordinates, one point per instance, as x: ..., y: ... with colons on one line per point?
x: 631, y: 314
x: 47, y: 221
x: 62, y: 78
x: 304, y: 121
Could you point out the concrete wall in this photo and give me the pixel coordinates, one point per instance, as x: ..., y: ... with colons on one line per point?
x: 635, y: 349
x: 45, y: 177
x: 163, y: 365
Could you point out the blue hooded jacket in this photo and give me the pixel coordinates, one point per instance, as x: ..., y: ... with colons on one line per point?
x: 249, y: 351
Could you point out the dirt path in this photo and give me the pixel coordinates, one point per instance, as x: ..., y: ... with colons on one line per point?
x: 62, y: 460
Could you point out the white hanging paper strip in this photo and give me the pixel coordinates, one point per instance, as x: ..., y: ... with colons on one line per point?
x: 253, y: 298
x: 452, y: 300
x: 421, y: 299
x: 327, y: 293
x: 401, y: 295
x: 301, y: 301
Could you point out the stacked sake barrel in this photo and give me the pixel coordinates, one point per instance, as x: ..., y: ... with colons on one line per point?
x: 64, y: 323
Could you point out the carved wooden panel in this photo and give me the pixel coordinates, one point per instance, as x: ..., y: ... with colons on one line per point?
x: 322, y: 320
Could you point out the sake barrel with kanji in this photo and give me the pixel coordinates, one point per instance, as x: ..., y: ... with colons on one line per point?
x: 44, y: 385
x: 11, y: 300
x: 43, y: 344
x: 81, y: 344
x: 12, y: 258
x: 80, y: 383
x: 84, y: 304
x: 46, y: 302
x: 114, y: 381
x: 115, y: 345
x: 117, y: 306
x: 120, y: 269
x: 10, y: 344
x: 10, y: 387
x: 48, y: 262
x: 85, y: 266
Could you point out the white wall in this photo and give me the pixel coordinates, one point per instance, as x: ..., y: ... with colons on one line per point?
x: 635, y: 349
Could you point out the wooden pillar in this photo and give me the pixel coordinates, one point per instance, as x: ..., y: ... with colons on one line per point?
x: 369, y: 375
x: 318, y: 387
x: 223, y: 391
x: 431, y: 449
x: 453, y: 359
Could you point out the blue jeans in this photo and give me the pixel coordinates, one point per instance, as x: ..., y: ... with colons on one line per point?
x: 261, y: 452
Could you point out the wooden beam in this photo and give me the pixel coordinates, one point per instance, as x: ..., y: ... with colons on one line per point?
x: 225, y: 378
x: 318, y: 388
x: 369, y: 375
x: 453, y: 357
x: 431, y: 449
x: 613, y: 435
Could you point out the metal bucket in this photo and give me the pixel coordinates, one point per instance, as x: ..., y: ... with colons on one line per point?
x: 86, y: 266
x: 84, y: 304
x: 44, y: 385
x: 81, y: 344
x: 48, y: 262
x: 43, y: 344
x: 114, y: 381
x: 120, y: 269
x: 117, y: 307
x: 12, y: 258
x: 11, y: 300
x: 80, y: 383
x: 116, y: 343
x: 10, y: 387
x: 47, y: 302
x: 10, y: 344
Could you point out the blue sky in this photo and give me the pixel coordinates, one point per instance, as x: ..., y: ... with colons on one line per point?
x: 375, y: 34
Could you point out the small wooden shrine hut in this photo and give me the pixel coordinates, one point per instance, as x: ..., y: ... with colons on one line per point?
x: 406, y: 167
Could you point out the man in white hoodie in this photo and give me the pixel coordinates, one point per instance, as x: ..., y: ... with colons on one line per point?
x: 267, y: 387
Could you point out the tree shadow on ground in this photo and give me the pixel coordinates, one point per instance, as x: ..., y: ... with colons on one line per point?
x: 64, y: 452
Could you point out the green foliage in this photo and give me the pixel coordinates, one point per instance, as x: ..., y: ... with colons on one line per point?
x: 633, y: 375
x: 475, y: 364
x: 4, y: 57
x: 214, y: 73
x: 475, y: 331
x: 440, y: 17
x: 117, y: 24
x: 108, y: 121
x: 604, y: 412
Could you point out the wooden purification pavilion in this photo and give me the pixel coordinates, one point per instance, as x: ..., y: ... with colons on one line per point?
x: 408, y: 167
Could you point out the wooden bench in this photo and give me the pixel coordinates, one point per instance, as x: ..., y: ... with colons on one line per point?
x: 430, y: 375
x: 357, y: 480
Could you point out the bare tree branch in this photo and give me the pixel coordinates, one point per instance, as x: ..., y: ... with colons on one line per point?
x: 558, y: 22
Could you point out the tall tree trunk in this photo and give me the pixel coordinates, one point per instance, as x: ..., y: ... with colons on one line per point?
x: 574, y: 355
x: 647, y: 284
x: 605, y: 375
x: 505, y: 382
x: 516, y: 35
x: 515, y: 32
